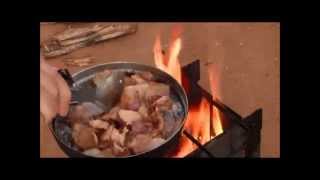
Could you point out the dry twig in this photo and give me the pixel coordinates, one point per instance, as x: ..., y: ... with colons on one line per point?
x: 75, y: 38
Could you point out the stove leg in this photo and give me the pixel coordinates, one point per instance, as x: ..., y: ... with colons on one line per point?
x: 254, y: 124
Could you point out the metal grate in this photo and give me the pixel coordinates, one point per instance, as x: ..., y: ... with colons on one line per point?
x: 241, y: 136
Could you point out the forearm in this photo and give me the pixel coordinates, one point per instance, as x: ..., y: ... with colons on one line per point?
x: 42, y: 118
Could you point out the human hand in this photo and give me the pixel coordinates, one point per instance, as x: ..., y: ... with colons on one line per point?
x: 55, y: 94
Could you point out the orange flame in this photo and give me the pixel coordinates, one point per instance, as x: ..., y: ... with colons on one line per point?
x: 213, y: 73
x: 197, y: 124
x: 217, y: 122
x: 198, y: 120
x: 169, y: 63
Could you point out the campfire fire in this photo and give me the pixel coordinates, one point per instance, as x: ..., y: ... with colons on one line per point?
x: 198, y: 119
x: 169, y: 63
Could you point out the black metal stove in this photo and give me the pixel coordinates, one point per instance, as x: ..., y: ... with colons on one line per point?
x: 240, y: 137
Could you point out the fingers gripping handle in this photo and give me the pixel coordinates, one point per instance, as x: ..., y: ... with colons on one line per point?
x: 66, y: 76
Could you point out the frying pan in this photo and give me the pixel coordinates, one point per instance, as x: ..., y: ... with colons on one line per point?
x: 78, y: 78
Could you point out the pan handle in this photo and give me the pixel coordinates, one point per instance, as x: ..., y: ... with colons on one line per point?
x: 66, y: 76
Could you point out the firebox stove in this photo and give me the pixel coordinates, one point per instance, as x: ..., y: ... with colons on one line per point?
x: 240, y: 136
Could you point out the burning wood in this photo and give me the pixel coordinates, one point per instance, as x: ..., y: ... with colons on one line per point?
x: 75, y: 38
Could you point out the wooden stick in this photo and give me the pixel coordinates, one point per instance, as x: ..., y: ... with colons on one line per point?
x: 75, y: 38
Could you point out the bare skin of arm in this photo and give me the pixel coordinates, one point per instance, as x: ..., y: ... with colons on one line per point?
x: 54, y: 93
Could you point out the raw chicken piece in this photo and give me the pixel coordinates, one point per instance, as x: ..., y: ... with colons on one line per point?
x: 84, y: 136
x: 148, y: 76
x: 106, y: 136
x: 118, y: 137
x: 114, y: 135
x: 129, y: 116
x: 112, y: 114
x: 143, y: 110
x: 99, y: 124
x: 155, y: 91
x: 163, y: 104
x: 125, y: 130
x: 138, y: 79
x: 129, y: 81
x: 140, y: 142
x: 83, y: 112
x: 130, y: 101
x: 104, y: 144
x: 132, y: 95
x: 141, y: 89
x: 158, y: 121
x: 141, y: 127
x: 120, y: 151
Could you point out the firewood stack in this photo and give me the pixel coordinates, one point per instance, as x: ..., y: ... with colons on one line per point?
x: 74, y: 38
